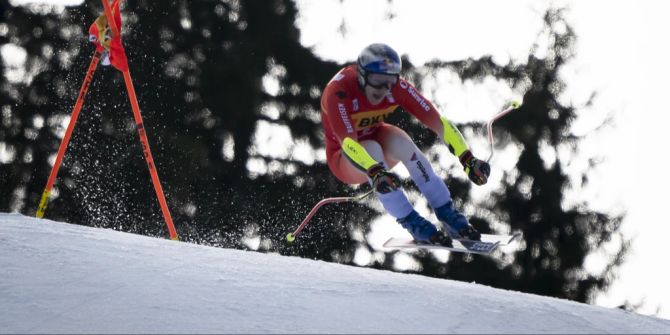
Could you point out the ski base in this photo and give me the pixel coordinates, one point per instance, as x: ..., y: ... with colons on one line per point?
x: 467, y: 246
x: 486, y: 246
x: 502, y: 239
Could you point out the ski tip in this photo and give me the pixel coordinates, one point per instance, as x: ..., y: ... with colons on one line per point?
x: 394, y: 242
x: 290, y: 237
x: 515, y: 237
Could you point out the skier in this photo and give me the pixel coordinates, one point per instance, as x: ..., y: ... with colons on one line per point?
x: 361, y: 147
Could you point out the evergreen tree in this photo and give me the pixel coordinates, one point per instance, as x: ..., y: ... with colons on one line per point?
x: 557, y: 235
x: 204, y: 72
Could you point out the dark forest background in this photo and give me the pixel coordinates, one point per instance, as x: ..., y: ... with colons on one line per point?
x: 198, y: 68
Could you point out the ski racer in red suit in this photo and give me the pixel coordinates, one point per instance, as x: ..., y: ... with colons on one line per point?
x: 361, y: 147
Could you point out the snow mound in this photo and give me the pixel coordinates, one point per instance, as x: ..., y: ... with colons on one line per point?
x: 64, y: 278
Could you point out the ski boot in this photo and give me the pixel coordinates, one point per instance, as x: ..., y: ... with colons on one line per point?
x: 456, y: 222
x: 441, y: 238
x: 423, y: 231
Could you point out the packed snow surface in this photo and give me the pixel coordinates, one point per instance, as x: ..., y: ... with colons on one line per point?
x: 64, y: 278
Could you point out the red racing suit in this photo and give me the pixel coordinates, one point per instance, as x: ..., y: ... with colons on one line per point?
x: 347, y: 115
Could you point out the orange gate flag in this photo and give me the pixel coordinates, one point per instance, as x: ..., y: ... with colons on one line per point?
x: 105, y: 34
x: 99, y: 34
x: 117, y: 56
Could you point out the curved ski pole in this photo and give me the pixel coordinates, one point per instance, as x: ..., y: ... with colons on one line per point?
x: 291, y: 236
x: 489, y: 127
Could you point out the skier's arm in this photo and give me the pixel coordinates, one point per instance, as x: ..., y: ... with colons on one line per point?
x: 452, y: 137
x: 416, y: 104
x: 382, y: 181
x: 412, y: 101
x: 477, y: 170
x: 357, y: 154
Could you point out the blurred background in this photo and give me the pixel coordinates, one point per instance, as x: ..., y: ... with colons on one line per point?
x: 230, y: 91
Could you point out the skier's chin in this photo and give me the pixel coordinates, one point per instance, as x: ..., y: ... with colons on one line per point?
x: 375, y: 98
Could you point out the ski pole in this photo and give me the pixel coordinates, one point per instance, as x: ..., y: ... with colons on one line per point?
x: 291, y: 236
x: 489, y: 128
x: 142, y: 133
x: 68, y: 133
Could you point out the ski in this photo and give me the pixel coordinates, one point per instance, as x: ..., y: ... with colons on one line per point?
x: 486, y: 246
x: 501, y: 239
x: 466, y: 246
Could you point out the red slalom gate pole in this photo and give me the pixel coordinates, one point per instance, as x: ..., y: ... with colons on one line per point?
x: 291, y: 236
x: 68, y: 133
x: 142, y: 133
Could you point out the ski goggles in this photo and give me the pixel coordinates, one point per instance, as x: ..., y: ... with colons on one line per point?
x: 379, y: 81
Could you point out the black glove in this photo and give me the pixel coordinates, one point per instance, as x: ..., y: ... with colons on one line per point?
x: 382, y: 180
x: 478, y: 170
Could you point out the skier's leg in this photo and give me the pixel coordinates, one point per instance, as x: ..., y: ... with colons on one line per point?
x: 395, y: 202
x: 402, y: 148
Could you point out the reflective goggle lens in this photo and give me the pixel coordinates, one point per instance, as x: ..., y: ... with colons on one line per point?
x: 378, y: 81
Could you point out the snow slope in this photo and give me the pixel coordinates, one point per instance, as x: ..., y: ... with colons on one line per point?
x: 64, y: 278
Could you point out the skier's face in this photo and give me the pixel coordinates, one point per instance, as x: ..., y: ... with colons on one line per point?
x: 378, y: 86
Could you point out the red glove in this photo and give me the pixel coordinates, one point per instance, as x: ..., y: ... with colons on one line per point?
x: 478, y: 170
x: 382, y: 180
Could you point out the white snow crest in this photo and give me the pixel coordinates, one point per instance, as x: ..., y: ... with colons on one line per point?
x: 64, y: 278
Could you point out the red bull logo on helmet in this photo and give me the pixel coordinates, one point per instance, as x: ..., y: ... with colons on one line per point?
x: 387, y: 64
x: 379, y: 58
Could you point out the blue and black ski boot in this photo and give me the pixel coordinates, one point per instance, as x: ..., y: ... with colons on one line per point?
x: 456, y: 222
x: 423, y: 231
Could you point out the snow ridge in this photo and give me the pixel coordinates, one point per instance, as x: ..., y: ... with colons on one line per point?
x: 63, y: 278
